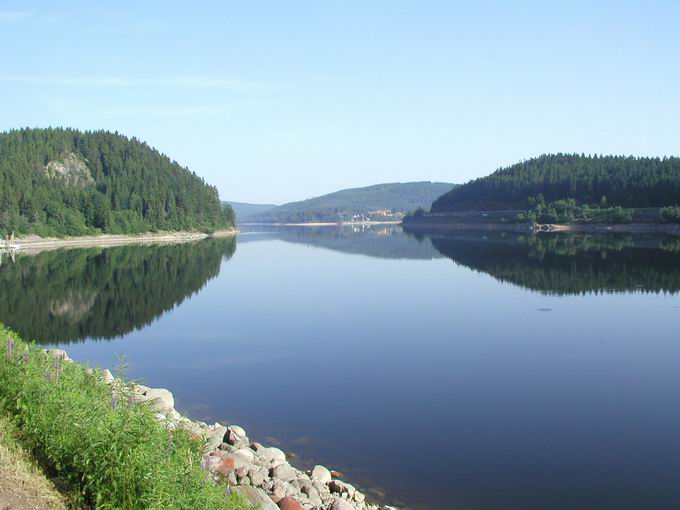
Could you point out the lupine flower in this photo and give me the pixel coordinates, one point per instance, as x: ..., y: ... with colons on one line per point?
x: 204, y: 463
x: 56, y: 365
x: 10, y: 346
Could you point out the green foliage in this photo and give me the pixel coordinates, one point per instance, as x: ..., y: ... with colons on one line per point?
x: 567, y: 211
x: 604, y: 181
x: 342, y: 205
x: 109, y: 183
x: 670, y: 214
x: 116, y: 453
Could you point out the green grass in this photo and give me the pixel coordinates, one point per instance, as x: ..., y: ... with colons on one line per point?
x: 115, y: 454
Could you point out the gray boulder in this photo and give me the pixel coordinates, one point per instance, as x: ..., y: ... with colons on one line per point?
x: 284, y: 472
x: 257, y: 498
x: 321, y: 474
x: 215, y: 439
x: 341, y: 504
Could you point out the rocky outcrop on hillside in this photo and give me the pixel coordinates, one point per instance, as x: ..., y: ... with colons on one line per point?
x: 71, y: 170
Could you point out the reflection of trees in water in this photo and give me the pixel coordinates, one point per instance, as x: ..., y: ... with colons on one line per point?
x: 70, y: 295
x: 570, y: 263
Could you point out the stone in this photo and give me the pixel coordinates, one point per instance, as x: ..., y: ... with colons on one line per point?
x: 288, y: 503
x: 236, y: 436
x: 342, y: 488
x: 215, y: 439
x: 257, y: 476
x: 237, y: 430
x: 272, y: 455
x: 241, y: 471
x: 231, y: 478
x: 226, y: 466
x: 257, y: 498
x: 321, y: 474
x: 229, y: 463
x: 107, y: 376
x: 311, y: 492
x: 246, y: 454
x: 59, y: 353
x: 160, y: 399
x: 279, y: 491
x: 341, y: 504
x: 284, y: 472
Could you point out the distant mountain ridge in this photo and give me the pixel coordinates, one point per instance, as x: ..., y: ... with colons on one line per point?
x: 244, y: 210
x: 379, y: 201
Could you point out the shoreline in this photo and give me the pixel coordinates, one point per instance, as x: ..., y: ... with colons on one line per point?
x: 537, y: 228
x: 33, y: 243
x: 323, y: 224
x: 263, y: 475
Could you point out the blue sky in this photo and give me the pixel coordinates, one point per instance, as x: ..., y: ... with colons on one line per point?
x: 274, y: 101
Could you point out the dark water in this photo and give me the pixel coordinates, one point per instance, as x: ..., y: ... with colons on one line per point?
x: 463, y: 372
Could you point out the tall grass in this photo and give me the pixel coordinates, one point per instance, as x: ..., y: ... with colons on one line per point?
x: 114, y: 452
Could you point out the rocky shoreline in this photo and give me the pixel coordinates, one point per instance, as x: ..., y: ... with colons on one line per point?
x: 261, y: 474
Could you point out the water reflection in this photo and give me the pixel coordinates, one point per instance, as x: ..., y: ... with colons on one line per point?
x: 386, y: 241
x: 70, y: 295
x: 570, y: 263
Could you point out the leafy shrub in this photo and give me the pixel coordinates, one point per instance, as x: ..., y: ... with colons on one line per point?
x: 670, y: 214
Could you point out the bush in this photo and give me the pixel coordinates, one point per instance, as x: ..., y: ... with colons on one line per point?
x: 670, y: 214
x: 115, y: 453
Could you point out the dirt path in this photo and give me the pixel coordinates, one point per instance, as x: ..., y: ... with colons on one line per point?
x: 23, y: 486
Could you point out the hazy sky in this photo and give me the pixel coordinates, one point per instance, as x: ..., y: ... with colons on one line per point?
x: 278, y: 100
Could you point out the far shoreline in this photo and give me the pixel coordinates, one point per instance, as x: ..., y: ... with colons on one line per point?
x: 541, y: 228
x: 34, y: 243
x: 322, y: 224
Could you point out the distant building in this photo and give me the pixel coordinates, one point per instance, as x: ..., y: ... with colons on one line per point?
x: 381, y: 212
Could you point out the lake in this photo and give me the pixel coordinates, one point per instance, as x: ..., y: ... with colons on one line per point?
x: 462, y: 371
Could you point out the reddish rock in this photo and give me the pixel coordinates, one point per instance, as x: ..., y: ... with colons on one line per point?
x: 227, y: 465
x: 289, y: 503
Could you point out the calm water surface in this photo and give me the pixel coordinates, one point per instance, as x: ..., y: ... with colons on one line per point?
x: 461, y: 372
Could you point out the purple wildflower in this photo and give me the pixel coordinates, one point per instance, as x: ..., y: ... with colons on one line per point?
x: 114, y: 401
x: 204, y: 463
x: 10, y: 346
x: 56, y: 366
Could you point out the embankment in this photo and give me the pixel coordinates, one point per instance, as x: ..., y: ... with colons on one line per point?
x: 36, y: 243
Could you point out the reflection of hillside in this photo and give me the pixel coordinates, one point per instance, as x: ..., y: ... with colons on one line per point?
x: 70, y: 295
x: 569, y: 264
x: 379, y: 241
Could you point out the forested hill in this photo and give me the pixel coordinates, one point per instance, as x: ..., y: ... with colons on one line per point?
x: 371, y: 202
x: 67, y: 182
x: 622, y: 181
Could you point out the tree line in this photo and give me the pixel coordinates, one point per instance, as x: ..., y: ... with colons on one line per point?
x: 602, y: 181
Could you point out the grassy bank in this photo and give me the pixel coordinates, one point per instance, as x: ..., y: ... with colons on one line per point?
x: 112, y: 453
